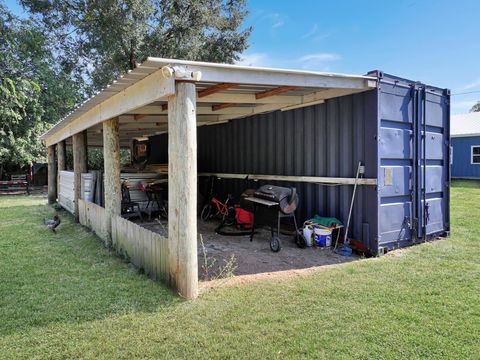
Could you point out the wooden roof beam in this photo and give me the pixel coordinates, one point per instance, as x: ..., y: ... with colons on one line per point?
x: 137, y: 117
x: 275, y: 91
x: 215, y: 89
x: 222, y: 106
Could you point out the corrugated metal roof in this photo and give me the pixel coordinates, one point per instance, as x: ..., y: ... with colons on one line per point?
x: 465, y: 124
x: 152, y: 65
x: 115, y: 87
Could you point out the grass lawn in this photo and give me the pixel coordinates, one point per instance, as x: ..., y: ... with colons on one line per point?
x: 65, y: 296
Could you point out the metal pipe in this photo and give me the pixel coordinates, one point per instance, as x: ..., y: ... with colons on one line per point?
x: 360, y: 170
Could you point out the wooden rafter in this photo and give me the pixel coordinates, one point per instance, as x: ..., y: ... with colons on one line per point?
x: 164, y: 107
x: 215, y: 88
x: 222, y: 106
x: 139, y: 116
x: 275, y: 91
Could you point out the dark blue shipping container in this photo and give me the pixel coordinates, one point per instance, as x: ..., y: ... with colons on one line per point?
x: 399, y: 131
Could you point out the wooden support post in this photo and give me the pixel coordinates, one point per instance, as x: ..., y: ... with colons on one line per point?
x: 182, y: 190
x: 61, y: 161
x: 52, y: 175
x: 79, y: 166
x: 111, y: 158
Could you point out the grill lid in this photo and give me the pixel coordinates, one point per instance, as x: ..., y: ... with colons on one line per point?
x: 287, y: 198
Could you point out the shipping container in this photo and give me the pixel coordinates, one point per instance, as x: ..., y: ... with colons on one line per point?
x: 399, y: 131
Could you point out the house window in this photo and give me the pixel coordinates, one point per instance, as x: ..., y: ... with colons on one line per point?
x: 476, y: 154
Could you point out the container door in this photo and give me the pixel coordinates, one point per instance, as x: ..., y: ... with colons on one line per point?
x: 433, y: 162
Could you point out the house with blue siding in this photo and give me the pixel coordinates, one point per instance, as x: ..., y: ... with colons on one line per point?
x: 465, y: 140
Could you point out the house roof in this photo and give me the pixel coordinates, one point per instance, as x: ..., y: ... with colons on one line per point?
x: 224, y: 92
x: 463, y: 125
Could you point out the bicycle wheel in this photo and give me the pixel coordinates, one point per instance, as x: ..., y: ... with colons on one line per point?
x: 206, y: 212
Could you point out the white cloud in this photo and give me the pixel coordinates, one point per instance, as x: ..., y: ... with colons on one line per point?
x: 316, y: 61
x: 278, y: 24
x: 319, y: 57
x: 310, y: 32
x: 472, y: 85
x: 253, y: 59
x: 277, y: 20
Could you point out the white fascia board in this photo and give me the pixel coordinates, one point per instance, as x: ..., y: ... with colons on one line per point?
x: 149, y: 89
x: 218, y: 73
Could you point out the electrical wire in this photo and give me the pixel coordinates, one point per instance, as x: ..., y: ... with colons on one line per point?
x: 467, y: 92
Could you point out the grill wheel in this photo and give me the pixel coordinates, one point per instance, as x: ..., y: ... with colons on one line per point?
x: 275, y: 244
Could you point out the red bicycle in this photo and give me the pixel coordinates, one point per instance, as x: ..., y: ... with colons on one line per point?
x: 214, y: 208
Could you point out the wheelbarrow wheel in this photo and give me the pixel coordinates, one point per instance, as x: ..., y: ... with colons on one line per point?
x: 275, y: 244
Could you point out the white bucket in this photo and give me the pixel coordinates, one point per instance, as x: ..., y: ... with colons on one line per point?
x: 308, y: 234
x: 323, y: 237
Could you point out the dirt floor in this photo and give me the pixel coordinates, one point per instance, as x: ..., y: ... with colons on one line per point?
x: 236, y: 255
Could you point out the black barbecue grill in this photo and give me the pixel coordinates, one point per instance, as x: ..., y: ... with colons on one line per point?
x: 270, y: 204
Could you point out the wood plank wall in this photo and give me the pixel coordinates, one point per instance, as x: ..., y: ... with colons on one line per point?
x: 93, y: 216
x: 143, y: 248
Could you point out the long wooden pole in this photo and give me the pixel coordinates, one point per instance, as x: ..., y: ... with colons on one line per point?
x: 79, y: 166
x: 111, y: 158
x: 182, y: 192
x: 52, y: 175
x: 61, y: 161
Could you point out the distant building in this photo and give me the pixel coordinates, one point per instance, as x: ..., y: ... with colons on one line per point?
x: 465, y: 134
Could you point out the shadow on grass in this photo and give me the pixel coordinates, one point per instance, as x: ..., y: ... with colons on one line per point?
x: 67, y: 277
x: 470, y: 184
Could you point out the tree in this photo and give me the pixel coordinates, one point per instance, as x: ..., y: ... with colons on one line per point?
x: 99, y: 40
x: 476, y: 107
x: 33, y: 92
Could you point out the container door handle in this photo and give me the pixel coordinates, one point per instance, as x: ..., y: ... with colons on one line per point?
x: 427, y: 212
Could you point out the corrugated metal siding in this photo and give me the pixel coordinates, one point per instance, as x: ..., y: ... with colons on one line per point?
x: 461, y: 165
x: 383, y: 128
x: 323, y: 140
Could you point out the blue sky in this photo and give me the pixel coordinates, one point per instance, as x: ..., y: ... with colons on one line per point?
x: 436, y: 42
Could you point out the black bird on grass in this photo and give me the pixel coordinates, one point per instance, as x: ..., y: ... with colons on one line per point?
x: 52, y: 224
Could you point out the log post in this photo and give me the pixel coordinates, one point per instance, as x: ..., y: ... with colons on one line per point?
x: 79, y: 166
x: 182, y: 190
x: 61, y: 161
x: 52, y: 175
x: 111, y: 158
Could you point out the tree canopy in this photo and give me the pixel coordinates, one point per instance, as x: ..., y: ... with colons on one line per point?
x: 99, y: 40
x: 33, y: 93
x: 476, y: 107
x: 65, y: 50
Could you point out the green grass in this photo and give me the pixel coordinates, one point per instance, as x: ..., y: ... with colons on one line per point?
x: 65, y: 296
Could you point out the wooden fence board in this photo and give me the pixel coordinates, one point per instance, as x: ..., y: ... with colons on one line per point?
x: 144, y: 248
x: 93, y: 216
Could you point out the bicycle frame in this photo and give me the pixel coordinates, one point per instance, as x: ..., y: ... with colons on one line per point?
x: 222, y: 208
